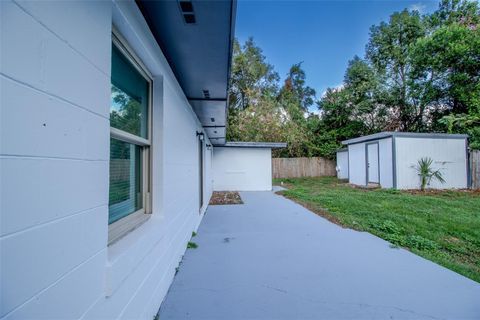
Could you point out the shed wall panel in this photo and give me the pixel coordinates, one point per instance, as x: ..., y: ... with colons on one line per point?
x: 342, y: 165
x: 448, y: 155
x: 357, y: 164
x: 386, y: 165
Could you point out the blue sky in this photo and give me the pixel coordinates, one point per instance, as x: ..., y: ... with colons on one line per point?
x: 322, y: 34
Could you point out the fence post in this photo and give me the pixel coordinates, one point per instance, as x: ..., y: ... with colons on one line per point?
x: 475, y: 169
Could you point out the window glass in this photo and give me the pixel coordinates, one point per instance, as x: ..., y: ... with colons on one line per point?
x: 125, y: 196
x: 129, y: 97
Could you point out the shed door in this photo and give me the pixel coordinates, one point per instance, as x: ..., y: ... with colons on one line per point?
x: 372, y: 163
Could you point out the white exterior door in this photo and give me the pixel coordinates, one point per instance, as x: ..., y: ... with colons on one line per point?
x: 372, y: 163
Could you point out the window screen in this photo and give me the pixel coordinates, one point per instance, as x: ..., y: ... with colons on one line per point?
x: 125, y: 196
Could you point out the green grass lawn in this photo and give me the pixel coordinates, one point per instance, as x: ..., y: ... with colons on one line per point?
x: 443, y: 227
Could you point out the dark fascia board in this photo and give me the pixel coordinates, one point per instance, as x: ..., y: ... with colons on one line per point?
x: 388, y: 134
x: 242, y: 144
x: 233, y: 20
x: 342, y: 149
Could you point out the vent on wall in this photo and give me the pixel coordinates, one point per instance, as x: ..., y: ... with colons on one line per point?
x: 186, y: 7
x: 206, y: 94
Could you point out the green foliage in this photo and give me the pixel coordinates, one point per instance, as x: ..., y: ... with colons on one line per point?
x: 396, y: 235
x: 386, y: 226
x: 296, y: 92
x: 252, y: 77
x: 419, y: 74
x: 420, y: 243
x: 443, y: 227
x: 427, y: 173
x: 388, y: 52
x: 128, y: 117
x: 464, y: 123
x: 262, y: 112
x: 192, y: 245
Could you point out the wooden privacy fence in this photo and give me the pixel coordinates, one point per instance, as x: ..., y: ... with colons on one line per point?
x: 475, y: 168
x: 302, y: 167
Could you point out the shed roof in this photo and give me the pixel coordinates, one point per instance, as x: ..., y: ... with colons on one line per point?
x: 387, y: 134
x: 245, y: 144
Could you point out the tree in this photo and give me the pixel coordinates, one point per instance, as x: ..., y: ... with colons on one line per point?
x: 295, y: 89
x: 366, y: 95
x: 451, y: 52
x: 338, y: 121
x: 268, y: 123
x: 259, y: 112
x: 419, y: 73
x: 251, y: 76
x: 388, y: 50
x: 455, y: 11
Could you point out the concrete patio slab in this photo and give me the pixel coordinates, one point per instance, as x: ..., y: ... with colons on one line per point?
x: 270, y: 258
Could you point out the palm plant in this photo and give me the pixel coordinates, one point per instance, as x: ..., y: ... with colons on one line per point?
x: 426, y: 172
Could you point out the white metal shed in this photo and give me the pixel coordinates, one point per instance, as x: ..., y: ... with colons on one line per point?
x: 389, y: 159
x: 243, y: 166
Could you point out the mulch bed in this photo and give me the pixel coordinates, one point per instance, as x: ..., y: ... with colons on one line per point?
x: 441, y: 191
x: 427, y: 192
x: 225, y: 197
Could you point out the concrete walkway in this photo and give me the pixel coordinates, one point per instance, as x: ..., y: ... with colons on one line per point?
x: 272, y: 259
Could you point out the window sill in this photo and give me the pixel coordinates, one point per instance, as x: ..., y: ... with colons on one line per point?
x: 126, y: 225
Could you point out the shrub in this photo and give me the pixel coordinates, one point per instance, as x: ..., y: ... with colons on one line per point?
x: 420, y: 243
x: 426, y: 172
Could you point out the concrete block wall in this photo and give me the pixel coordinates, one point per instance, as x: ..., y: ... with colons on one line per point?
x: 54, y: 166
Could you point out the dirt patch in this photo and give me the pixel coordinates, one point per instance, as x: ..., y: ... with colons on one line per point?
x: 370, y: 186
x: 427, y: 192
x: 225, y: 197
x: 440, y: 192
x: 452, y: 239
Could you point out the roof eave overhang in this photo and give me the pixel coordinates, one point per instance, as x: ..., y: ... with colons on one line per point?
x: 199, y: 55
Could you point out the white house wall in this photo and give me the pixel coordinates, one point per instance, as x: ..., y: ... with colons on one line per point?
x: 54, y: 157
x: 342, y: 165
x: 386, y: 162
x: 242, y: 169
x: 357, y: 164
x: 448, y: 155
